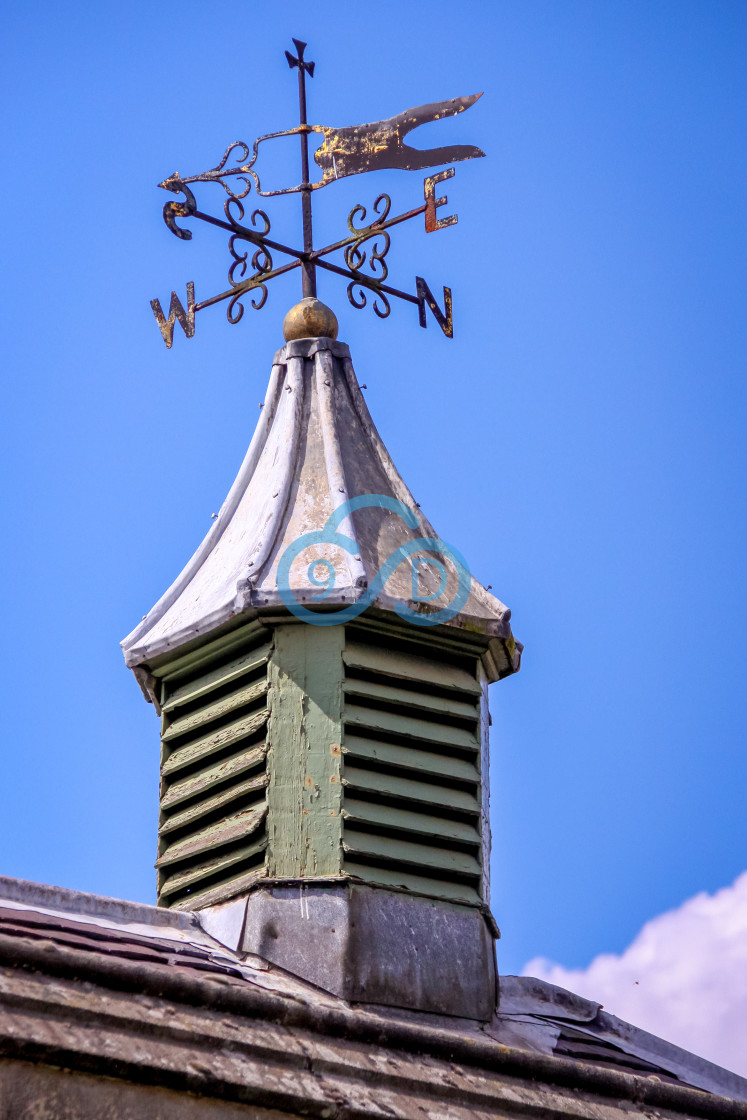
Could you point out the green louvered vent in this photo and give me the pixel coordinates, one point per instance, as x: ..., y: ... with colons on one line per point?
x: 212, y: 832
x: 411, y: 772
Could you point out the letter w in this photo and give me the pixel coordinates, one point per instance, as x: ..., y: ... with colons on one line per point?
x: 176, y: 311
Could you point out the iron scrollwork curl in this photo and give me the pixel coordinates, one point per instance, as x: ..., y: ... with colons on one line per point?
x: 261, y: 260
x: 356, y: 256
x: 221, y: 174
x: 240, y: 159
x: 174, y: 210
x: 381, y: 304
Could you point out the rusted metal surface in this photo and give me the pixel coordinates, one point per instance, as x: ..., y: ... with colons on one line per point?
x: 432, y: 223
x: 381, y: 144
x: 345, y: 151
x: 350, y: 150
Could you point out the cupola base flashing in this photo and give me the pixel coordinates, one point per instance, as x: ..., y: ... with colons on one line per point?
x: 368, y: 945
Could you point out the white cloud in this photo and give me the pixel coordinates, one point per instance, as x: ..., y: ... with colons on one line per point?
x: 684, y: 977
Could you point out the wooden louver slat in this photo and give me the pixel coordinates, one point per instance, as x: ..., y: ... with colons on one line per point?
x: 212, y: 831
x: 413, y: 727
x: 212, y: 776
x: 216, y: 678
x: 423, y: 762
x: 215, y: 711
x: 217, y: 740
x: 397, y: 693
x: 417, y: 881
x: 406, y: 852
x: 412, y: 789
x: 211, y: 804
x: 182, y: 879
x: 410, y: 667
x: 395, y: 817
x: 215, y: 835
x: 406, y: 788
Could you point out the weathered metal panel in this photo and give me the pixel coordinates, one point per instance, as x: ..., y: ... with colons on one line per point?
x: 234, y: 572
x: 378, y: 946
x: 304, y: 759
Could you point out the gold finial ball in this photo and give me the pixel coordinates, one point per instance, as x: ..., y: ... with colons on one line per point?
x: 310, y: 319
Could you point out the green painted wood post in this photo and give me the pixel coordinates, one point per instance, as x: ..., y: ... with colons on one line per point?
x: 304, y: 759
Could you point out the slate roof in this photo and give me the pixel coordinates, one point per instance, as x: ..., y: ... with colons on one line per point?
x: 95, y: 983
x: 314, y: 448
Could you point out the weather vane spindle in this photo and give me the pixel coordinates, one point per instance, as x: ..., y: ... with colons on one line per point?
x: 304, y: 68
x: 352, y: 150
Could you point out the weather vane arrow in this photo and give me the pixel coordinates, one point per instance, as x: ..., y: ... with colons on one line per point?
x: 351, y: 150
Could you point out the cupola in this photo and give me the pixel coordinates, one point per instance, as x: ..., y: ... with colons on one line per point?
x: 320, y: 668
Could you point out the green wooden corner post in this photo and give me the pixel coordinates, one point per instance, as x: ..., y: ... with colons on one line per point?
x: 304, y: 758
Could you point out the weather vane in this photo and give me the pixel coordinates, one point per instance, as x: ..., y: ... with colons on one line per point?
x: 344, y: 151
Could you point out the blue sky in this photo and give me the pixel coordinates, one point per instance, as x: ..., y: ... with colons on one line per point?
x: 581, y: 440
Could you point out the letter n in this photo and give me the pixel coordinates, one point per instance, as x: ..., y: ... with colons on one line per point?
x: 425, y: 296
x: 176, y: 311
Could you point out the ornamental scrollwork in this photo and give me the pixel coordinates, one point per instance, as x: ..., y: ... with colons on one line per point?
x: 381, y: 304
x: 261, y: 260
x: 357, y: 257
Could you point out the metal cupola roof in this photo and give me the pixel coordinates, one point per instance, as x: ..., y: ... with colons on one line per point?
x: 319, y: 516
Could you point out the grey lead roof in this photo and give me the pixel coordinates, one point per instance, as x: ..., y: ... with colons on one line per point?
x: 314, y: 448
x: 46, y: 925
